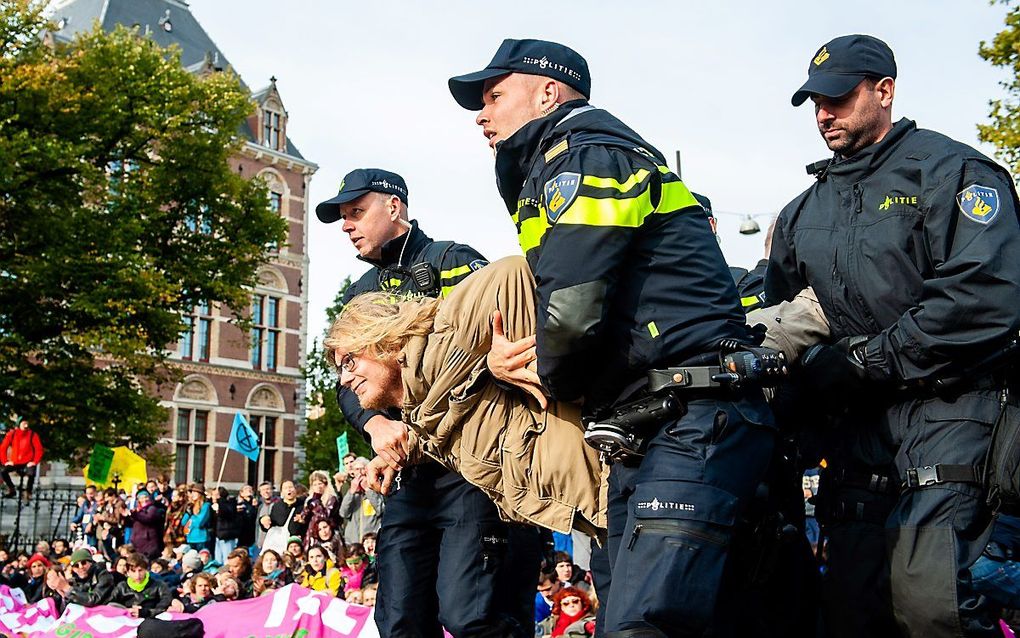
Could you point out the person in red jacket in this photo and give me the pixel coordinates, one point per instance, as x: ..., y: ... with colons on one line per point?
x: 20, y: 451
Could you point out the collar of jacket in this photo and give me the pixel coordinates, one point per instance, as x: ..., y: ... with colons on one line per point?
x: 867, y: 161
x: 416, y: 388
x: 416, y: 242
x: 516, y: 154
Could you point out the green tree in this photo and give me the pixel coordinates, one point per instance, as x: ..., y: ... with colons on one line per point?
x: 1004, y: 131
x: 118, y: 212
x: 319, y: 438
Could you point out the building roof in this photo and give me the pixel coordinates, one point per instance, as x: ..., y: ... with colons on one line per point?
x: 167, y: 22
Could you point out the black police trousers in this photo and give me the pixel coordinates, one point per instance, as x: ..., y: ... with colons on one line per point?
x: 931, y: 535
x: 672, y: 518
x: 446, y: 560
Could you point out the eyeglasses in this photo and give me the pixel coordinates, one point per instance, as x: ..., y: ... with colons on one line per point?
x: 82, y: 564
x: 347, y: 363
x: 570, y: 601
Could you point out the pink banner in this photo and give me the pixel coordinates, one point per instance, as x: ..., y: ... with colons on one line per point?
x: 292, y: 611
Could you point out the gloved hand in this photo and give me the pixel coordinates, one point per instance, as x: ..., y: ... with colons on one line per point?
x: 833, y: 373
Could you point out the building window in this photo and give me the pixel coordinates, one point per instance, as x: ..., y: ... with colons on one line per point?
x: 196, y: 338
x: 271, y: 130
x: 191, y: 446
x: 265, y: 427
x: 265, y: 332
x: 275, y: 202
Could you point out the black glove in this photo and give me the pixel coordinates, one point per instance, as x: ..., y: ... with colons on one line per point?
x: 835, y: 376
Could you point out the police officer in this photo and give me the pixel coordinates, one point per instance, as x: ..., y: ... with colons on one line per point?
x: 909, y: 240
x: 444, y: 557
x: 750, y: 283
x: 629, y: 278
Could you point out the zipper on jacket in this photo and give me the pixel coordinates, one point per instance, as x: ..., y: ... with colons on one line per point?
x: 673, y: 527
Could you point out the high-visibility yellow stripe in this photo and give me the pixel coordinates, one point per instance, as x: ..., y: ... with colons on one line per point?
x: 445, y: 290
x: 674, y: 197
x: 454, y: 272
x: 627, y: 213
x: 653, y: 329
x: 531, y: 232
x: 393, y: 283
x: 609, y: 182
x: 748, y: 301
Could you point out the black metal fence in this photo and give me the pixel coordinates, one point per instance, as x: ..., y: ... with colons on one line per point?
x: 45, y: 515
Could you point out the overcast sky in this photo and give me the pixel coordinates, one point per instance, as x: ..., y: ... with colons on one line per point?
x: 364, y: 84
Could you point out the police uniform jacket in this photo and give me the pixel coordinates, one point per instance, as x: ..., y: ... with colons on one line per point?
x: 914, y: 240
x: 629, y: 275
x: 452, y: 263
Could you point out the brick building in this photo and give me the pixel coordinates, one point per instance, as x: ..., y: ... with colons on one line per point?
x: 226, y: 371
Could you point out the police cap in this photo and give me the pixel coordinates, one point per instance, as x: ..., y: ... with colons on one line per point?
x: 534, y: 57
x: 842, y: 63
x: 357, y: 183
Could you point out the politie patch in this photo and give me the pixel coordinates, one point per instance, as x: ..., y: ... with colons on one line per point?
x: 560, y: 192
x: 979, y: 203
x: 477, y: 264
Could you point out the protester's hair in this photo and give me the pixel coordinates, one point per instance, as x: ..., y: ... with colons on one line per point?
x: 567, y: 592
x: 355, y: 550
x: 257, y: 570
x: 562, y: 557
x: 126, y: 549
x: 379, y: 323
x: 368, y: 535
x: 137, y: 560
x: 546, y: 577
x: 323, y: 476
x: 245, y: 558
x: 206, y: 576
x: 269, y: 483
x: 110, y: 491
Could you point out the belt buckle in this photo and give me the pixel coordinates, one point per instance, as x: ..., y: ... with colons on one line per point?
x: 923, y: 476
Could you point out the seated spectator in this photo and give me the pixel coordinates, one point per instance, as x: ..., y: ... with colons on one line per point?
x: 368, y: 594
x: 59, y: 550
x: 362, y: 507
x: 161, y: 570
x: 191, y: 564
x: 329, y: 538
x: 35, y: 577
x: 91, y: 584
x: 199, y: 594
x: 239, y: 566
x: 120, y: 568
x: 294, y: 559
x: 566, y: 571
x: 547, y: 587
x: 208, y: 564
x: 227, y: 587
x: 269, y: 573
x: 353, y: 596
x: 142, y: 594
x: 56, y: 587
x: 147, y: 520
x: 572, y: 615
x: 357, y: 570
x: 320, y: 574
x: 368, y: 541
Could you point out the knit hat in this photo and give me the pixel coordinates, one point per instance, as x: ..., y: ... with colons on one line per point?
x: 191, y: 562
x: 81, y: 554
x: 38, y: 558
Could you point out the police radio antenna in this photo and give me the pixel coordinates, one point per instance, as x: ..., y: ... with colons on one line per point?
x: 678, y: 165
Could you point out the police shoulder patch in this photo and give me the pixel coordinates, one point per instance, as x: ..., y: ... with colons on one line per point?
x: 979, y: 203
x: 560, y: 192
x: 477, y: 264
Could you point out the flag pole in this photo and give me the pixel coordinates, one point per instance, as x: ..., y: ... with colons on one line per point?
x: 223, y: 466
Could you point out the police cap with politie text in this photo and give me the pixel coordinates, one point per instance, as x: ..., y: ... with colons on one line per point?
x: 842, y: 63
x: 357, y: 183
x: 533, y: 57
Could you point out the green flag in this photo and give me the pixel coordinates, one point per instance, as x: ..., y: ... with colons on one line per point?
x: 99, y: 464
x: 342, y: 448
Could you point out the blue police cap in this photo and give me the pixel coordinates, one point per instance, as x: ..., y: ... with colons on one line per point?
x: 842, y: 63
x: 534, y: 57
x: 357, y: 183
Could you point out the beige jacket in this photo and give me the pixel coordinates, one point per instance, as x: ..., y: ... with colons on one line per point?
x: 793, y: 326
x: 532, y: 463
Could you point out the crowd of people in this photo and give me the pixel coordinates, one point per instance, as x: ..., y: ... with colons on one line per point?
x: 179, y: 548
